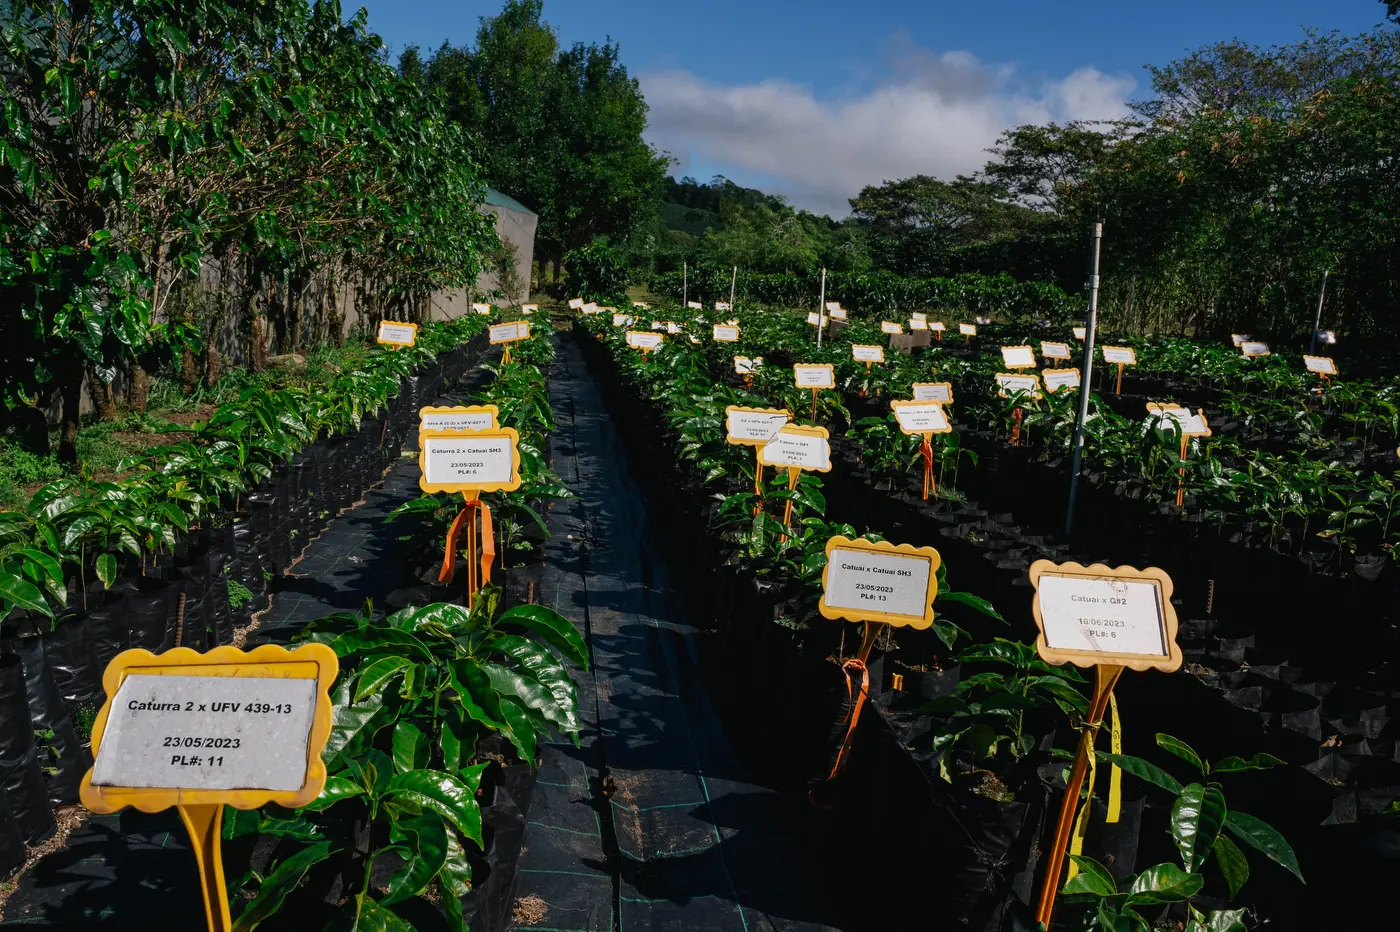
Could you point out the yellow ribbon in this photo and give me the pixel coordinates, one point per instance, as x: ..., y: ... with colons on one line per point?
x: 1115, y: 785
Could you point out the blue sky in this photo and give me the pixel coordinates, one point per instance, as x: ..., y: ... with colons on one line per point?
x: 815, y: 99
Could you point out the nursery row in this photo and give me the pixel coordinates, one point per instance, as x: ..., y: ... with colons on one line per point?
x: 182, y: 548
x: 965, y: 749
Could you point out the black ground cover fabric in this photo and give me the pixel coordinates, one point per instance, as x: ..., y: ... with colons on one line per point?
x: 654, y: 823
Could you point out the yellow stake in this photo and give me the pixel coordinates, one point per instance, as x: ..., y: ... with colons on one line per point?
x: 204, y: 823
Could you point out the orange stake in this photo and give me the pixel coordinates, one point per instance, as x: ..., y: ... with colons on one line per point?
x: 1181, y: 482
x: 1118, y: 389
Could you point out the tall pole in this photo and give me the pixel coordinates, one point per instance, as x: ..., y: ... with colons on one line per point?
x: 1086, y: 379
x: 821, y: 310
x: 685, y: 283
x: 733, y: 280
x: 1317, y: 321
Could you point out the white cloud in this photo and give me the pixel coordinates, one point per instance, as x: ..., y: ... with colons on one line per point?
x: 935, y: 114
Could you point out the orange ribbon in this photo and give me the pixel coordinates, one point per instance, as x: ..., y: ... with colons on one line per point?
x: 927, y: 450
x: 855, y: 663
x: 488, y: 544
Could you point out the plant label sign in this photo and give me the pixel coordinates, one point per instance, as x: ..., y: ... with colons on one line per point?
x: 224, y: 727
x: 695, y: 305
x: 469, y: 460
x: 867, y: 353
x: 1056, y: 379
x: 640, y: 339
x: 833, y: 306
x: 941, y: 392
x: 509, y: 333
x: 460, y: 417
x: 590, y: 308
x: 1122, y: 355
x: 813, y: 320
x: 575, y: 303
x: 1252, y: 348
x: 481, y: 309
x: 1172, y: 417
x: 623, y: 320
x: 982, y: 320
x: 1054, y: 350
x: 753, y: 427
x: 528, y: 309
x: 1018, y: 357
x: 641, y: 304
x: 919, y: 315
x: 798, y: 447
x: 1096, y: 615
x: 891, y: 327
x: 743, y: 365
x: 916, y: 324
x: 937, y: 326
x: 657, y: 325
x: 877, y: 581
x: 813, y: 375
x: 1326, y: 336
x: 921, y: 417
x: 1240, y: 338
x: 1009, y: 384
x: 721, y: 305
x: 672, y: 327
x: 1080, y: 333
x: 1322, y: 365
x: 726, y: 334
x: 967, y: 330
x: 393, y: 333
x: 838, y: 313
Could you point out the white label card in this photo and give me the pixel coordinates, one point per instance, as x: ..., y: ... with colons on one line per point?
x: 657, y: 325
x: 894, y: 583
x: 1252, y: 348
x: 641, y: 340
x: 721, y: 305
x: 1079, y: 333
x: 456, y: 420
x: 941, y: 392
x: 726, y: 334
x: 967, y: 330
x: 1321, y: 364
x: 1111, y: 614
x: 919, y: 315
x: 813, y: 376
x: 207, y: 733
x: 623, y: 320
x: 804, y: 451
x: 529, y: 308
x: 937, y: 325
x: 838, y: 314
x: 466, y: 460
x: 1011, y: 384
x: 504, y: 333
x: 754, y: 425
x: 575, y: 303
x: 746, y: 366
x: 916, y: 324
x: 590, y: 308
x: 1018, y: 357
x: 868, y: 353
x: 1172, y: 419
x: 1056, y: 379
x: 695, y: 304
x: 1117, y: 354
x: 1238, y: 338
x: 1054, y: 350
x: 641, y: 304
x: 672, y: 327
x: 833, y: 306
x: 1326, y: 336
x: 403, y: 334
x: 890, y: 326
x: 481, y: 308
x: 815, y: 321
x: 922, y: 418
x: 983, y: 320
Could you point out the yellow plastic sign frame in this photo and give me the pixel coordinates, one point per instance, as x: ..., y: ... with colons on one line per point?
x: 873, y: 546
x: 396, y: 323
x: 508, y: 433
x: 830, y: 371
x: 309, y: 662
x: 1005, y: 360
x: 1091, y: 658
x: 517, y: 324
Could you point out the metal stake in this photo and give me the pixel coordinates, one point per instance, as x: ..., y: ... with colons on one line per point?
x: 821, y: 310
x: 1317, y: 321
x: 1091, y: 327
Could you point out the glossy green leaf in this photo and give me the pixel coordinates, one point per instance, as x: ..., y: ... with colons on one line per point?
x: 410, y: 746
x: 23, y: 593
x: 1264, y: 838
x: 1164, y: 883
x: 554, y: 628
x: 1093, y: 878
x: 349, y: 720
x: 282, y: 881
x: 443, y: 793
x: 107, y: 570
x: 549, y: 672
x: 1142, y: 770
x: 1232, y: 863
x: 338, y: 787
x: 430, y: 855
x: 1260, y: 761
x: 375, y: 677
x: 1182, y: 750
x: 1196, y: 820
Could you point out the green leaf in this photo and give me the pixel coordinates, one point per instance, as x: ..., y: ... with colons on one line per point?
x: 375, y: 918
x: 430, y: 854
x: 1260, y: 761
x: 529, y: 693
x: 338, y: 787
x: 1164, y: 883
x: 456, y: 877
x: 23, y: 593
x: 376, y: 639
x: 1222, y: 920
x: 1182, y: 750
x: 283, y: 880
x: 1093, y: 878
x: 107, y: 570
x: 1232, y: 863
x: 376, y: 676
x: 410, y: 747
x: 443, y: 793
x: 348, y: 720
x: 1142, y: 770
x: 1197, y: 817
x: 552, y: 627
x: 1264, y: 838
x: 542, y: 665
x: 522, y: 730
x: 974, y: 602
